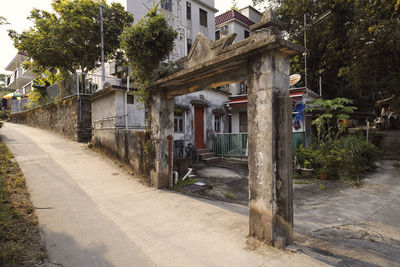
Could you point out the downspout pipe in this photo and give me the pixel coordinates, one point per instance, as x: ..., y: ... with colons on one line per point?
x: 126, y: 103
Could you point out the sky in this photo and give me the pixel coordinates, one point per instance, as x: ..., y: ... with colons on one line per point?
x: 17, y: 11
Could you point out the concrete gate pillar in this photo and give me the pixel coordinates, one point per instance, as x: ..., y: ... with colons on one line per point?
x: 162, y: 132
x: 270, y: 153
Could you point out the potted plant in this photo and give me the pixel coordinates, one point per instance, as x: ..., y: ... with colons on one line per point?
x: 323, y: 174
x: 306, y: 170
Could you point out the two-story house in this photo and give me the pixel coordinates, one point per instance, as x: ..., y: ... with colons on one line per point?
x: 235, y: 143
x: 198, y: 115
x: 20, y: 78
x: 238, y: 22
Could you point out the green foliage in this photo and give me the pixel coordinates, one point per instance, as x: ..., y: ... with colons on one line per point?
x: 20, y: 242
x: 229, y: 195
x: 330, y: 123
x: 39, y: 96
x: 396, y: 164
x: 47, y: 78
x: 4, y: 114
x: 146, y: 45
x: 182, y: 183
x: 350, y: 46
x: 3, y: 89
x: 69, y: 38
x: 3, y: 21
x: 359, y: 157
x: 235, y: 5
x: 348, y: 157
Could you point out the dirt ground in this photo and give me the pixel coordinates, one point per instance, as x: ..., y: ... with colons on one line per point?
x: 337, y: 223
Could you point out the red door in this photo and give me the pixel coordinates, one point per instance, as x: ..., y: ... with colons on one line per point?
x: 198, y: 127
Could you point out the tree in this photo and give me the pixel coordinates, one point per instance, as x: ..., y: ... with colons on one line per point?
x: 330, y: 124
x: 356, y: 47
x: 69, y: 38
x: 3, y: 89
x: 147, y: 44
x: 3, y: 21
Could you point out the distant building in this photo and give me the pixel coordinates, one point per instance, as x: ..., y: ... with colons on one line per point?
x: 188, y: 18
x: 237, y: 22
x: 20, y: 78
x: 199, y: 115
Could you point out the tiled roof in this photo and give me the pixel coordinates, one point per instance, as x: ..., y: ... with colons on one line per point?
x: 232, y: 14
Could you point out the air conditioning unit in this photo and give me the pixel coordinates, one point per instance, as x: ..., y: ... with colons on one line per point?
x: 113, y: 66
x: 224, y: 29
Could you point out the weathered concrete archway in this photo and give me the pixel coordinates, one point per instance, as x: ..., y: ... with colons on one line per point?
x: 263, y: 60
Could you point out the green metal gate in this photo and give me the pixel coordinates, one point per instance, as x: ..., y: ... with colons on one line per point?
x: 231, y: 145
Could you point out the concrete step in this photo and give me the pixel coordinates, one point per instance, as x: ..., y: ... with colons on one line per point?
x: 206, y: 155
x: 203, y: 150
x: 210, y: 159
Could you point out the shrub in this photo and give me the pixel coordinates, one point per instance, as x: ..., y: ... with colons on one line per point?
x: 359, y: 157
x: 4, y: 114
x: 330, y: 124
x: 350, y: 156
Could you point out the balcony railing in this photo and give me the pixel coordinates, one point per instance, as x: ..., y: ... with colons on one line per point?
x: 231, y: 145
x: 89, y: 83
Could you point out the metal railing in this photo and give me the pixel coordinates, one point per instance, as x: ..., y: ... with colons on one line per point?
x: 88, y: 83
x: 115, y: 122
x: 18, y: 106
x: 78, y: 84
x: 231, y: 144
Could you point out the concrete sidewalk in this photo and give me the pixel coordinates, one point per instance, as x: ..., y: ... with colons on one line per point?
x: 92, y: 213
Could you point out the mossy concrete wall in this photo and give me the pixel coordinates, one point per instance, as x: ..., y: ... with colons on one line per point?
x: 130, y: 147
x: 69, y: 117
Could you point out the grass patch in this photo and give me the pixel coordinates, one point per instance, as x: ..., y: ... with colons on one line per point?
x: 20, y: 241
x: 321, y: 186
x: 396, y: 164
x: 229, y: 196
x: 304, y: 182
x: 183, y: 183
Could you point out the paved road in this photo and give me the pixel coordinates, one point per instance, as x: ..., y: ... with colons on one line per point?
x: 92, y: 213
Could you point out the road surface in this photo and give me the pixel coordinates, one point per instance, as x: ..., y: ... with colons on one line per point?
x: 92, y: 213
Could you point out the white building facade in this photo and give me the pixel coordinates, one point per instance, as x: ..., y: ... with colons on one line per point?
x: 188, y: 18
x: 198, y: 115
x: 238, y: 22
x: 20, y: 78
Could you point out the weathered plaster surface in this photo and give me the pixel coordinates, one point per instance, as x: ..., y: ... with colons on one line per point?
x: 127, y: 146
x: 271, y: 214
x: 162, y: 127
x: 110, y: 109
x: 213, y: 100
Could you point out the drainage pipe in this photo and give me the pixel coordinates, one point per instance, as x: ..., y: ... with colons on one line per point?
x: 170, y: 155
x: 187, y: 174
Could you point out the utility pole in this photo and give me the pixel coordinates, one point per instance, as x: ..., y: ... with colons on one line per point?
x: 305, y: 44
x: 320, y: 83
x: 305, y: 53
x: 103, y: 74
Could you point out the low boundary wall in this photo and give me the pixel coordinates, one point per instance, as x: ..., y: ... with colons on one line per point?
x: 130, y: 147
x: 69, y: 117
